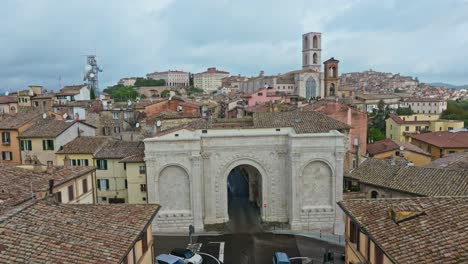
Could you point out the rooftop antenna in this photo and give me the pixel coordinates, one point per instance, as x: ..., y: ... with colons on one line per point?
x: 91, y: 73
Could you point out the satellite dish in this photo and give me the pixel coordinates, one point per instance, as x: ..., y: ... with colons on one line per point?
x: 402, y: 148
x: 129, y: 103
x: 158, y: 123
x: 7, y: 93
x: 137, y: 125
x: 44, y: 115
x: 91, y: 75
x: 65, y: 116
x: 88, y: 67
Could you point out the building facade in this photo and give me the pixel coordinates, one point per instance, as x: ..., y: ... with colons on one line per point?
x: 309, y: 82
x: 425, y: 105
x: 295, y: 174
x: 172, y: 78
x: 209, y: 80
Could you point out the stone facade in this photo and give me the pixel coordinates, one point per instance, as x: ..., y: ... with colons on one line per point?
x: 300, y: 176
x: 172, y: 78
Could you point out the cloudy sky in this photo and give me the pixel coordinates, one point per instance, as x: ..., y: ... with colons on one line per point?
x: 42, y: 40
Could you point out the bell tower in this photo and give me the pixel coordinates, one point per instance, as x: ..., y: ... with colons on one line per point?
x: 331, y: 77
x: 312, y: 51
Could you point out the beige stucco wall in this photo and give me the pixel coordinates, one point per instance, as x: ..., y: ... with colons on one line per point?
x: 61, y: 157
x: 135, y: 179
x: 116, y: 175
x: 80, y: 196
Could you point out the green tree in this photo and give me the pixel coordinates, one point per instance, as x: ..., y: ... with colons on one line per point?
x: 456, y: 110
x: 122, y: 93
x: 92, y: 94
x: 166, y: 93
x: 375, y: 134
x: 149, y: 82
x: 404, y: 111
x: 194, y: 90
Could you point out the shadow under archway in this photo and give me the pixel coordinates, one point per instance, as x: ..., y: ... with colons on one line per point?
x: 244, y: 188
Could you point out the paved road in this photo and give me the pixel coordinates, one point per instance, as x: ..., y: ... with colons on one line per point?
x: 256, y: 248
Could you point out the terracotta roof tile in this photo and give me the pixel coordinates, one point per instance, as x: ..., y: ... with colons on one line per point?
x: 411, y: 179
x: 120, y: 150
x: 302, y: 122
x: 73, y: 233
x: 437, y: 235
x: 389, y: 144
x: 455, y: 161
x: 85, y: 145
x: 15, y: 121
x: 50, y: 128
x: 444, y: 139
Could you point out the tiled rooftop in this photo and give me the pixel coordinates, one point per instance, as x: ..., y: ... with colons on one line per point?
x: 85, y: 145
x: 48, y: 127
x: 66, y: 233
x: 411, y: 179
x: 444, y: 139
x: 120, y: 150
x: 302, y: 122
x: 16, y: 183
x: 389, y: 144
x: 15, y: 121
x: 438, y: 235
x: 455, y: 161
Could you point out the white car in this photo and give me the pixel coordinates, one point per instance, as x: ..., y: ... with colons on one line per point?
x: 187, y: 256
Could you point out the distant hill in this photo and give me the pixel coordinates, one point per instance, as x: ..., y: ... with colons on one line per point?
x: 451, y: 86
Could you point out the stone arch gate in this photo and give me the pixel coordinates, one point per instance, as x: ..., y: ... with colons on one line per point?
x: 282, y: 158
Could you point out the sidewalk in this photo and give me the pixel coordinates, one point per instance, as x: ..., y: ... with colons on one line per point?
x: 327, y: 237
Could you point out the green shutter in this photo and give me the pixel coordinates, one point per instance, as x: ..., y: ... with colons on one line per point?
x: 29, y: 144
x: 22, y: 144
x: 52, y: 145
x: 43, y: 145
x: 107, y: 184
x: 99, y: 184
x: 3, y: 155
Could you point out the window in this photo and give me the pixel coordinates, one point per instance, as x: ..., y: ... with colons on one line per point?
x: 59, y: 197
x: 115, y: 115
x: 378, y: 258
x: 126, y: 184
x: 143, y: 187
x: 106, y: 131
x: 450, y: 128
x: 144, y: 242
x: 142, y: 169
x: 48, y: 144
x: 7, y: 155
x: 26, y: 144
x: 101, y: 164
x: 353, y: 232
x: 71, y: 194
x: 406, y: 128
x: 84, y: 162
x: 125, y: 166
x: 260, y: 94
x: 116, y: 129
x: 36, y: 103
x: 451, y: 151
x: 44, y: 103
x: 418, y: 128
x: 103, y: 184
x: 6, y: 138
x: 85, y: 185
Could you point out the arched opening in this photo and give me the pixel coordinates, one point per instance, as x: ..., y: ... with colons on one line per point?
x: 306, y: 42
x: 244, y: 190
x: 374, y: 194
x: 332, y: 72
x: 311, y: 88
x: 306, y: 59
x: 315, y: 42
x: 332, y: 89
x: 174, y: 190
x: 314, y: 58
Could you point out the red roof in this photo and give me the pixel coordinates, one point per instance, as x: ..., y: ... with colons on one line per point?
x: 214, y: 70
x: 444, y: 139
x: 389, y: 144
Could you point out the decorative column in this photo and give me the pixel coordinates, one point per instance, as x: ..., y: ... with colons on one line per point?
x: 295, y: 213
x: 209, y: 194
x: 197, y: 192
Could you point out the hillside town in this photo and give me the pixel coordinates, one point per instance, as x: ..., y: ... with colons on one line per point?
x: 369, y: 164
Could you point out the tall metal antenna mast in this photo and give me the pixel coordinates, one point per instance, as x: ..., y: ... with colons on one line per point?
x: 91, y: 73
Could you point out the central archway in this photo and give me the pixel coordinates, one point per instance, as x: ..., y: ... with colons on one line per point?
x: 245, y: 196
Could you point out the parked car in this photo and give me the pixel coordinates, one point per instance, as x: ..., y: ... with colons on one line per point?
x: 281, y: 258
x: 188, y: 256
x: 168, y: 259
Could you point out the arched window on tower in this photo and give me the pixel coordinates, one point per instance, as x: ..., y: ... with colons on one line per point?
x: 332, y: 72
x: 315, y: 42
x: 314, y: 58
x: 306, y: 42
x: 306, y: 59
x: 332, y: 89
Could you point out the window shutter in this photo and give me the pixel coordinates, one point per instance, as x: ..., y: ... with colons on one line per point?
x: 43, y: 145
x: 86, y: 162
x: 107, y: 184
x: 3, y: 155
x: 105, y: 164
x: 52, y: 145
x: 22, y: 144
x: 99, y: 184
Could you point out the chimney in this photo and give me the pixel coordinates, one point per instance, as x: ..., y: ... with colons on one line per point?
x: 66, y: 161
x: 51, y: 186
x: 50, y: 167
